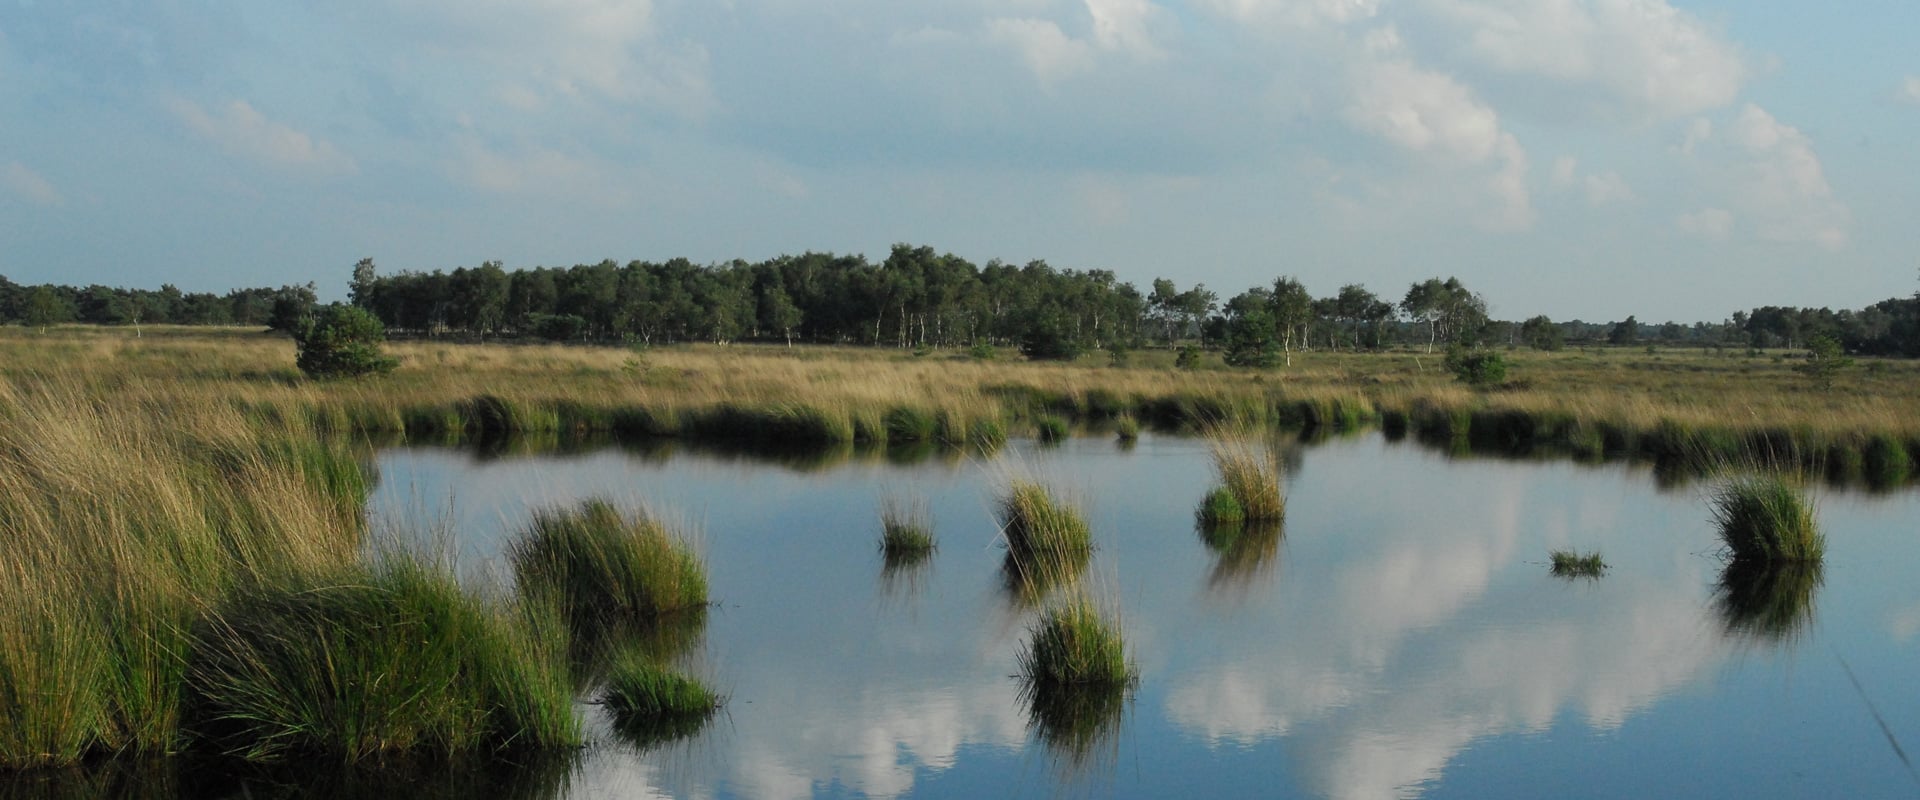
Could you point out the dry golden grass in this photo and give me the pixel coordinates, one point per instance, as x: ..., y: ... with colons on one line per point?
x: 187, y: 368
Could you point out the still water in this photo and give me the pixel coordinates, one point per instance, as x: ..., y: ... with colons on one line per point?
x: 1401, y: 637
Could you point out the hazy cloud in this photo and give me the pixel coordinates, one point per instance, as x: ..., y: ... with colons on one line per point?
x: 243, y: 131
x: 1780, y: 182
x: 30, y: 186
x: 1714, y: 224
x: 1910, y: 89
x: 1047, y: 50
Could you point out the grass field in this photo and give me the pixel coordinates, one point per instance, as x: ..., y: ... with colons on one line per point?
x: 1691, y: 403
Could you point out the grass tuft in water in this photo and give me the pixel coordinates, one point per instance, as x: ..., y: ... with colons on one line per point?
x: 911, y: 424
x: 1034, y: 522
x: 639, y: 689
x: 906, y: 527
x: 1073, y: 645
x: 1051, y: 428
x: 1126, y: 427
x: 1764, y: 519
x: 1251, y: 475
x: 1575, y: 564
x: 1220, y: 508
x: 596, y: 563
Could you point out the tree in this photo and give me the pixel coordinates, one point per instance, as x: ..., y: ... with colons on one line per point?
x: 45, y: 307
x: 361, y: 289
x: 1624, y: 331
x: 293, y: 308
x: 1250, y: 340
x: 1541, y: 334
x: 778, y: 313
x: 1476, y: 367
x: 341, y: 341
x: 1825, y: 360
x: 1291, y: 308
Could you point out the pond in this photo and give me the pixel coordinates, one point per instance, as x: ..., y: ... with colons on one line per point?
x: 1401, y: 636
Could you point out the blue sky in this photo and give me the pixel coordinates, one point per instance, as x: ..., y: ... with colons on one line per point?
x: 1579, y: 158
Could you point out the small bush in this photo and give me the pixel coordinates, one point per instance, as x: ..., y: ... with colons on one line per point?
x: 341, y: 341
x: 1188, y: 358
x: 1477, y: 367
x: 1574, y: 564
x: 982, y: 352
x: 1073, y: 645
x: 596, y: 564
x: 1764, y: 520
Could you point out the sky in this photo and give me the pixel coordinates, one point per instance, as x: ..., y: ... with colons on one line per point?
x: 1585, y: 159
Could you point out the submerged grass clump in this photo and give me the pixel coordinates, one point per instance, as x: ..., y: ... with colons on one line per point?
x: 1575, y: 564
x: 1764, y: 519
x: 1250, y: 475
x: 596, y: 563
x: 1074, y: 645
x: 906, y: 527
x: 1034, y: 523
x: 639, y: 689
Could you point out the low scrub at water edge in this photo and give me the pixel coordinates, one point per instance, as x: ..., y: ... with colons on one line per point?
x: 1765, y: 519
x: 1034, y: 522
x: 597, y: 563
x: 1074, y: 644
x: 1575, y: 564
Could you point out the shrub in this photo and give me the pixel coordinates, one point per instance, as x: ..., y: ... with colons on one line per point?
x: 1764, y: 520
x: 1477, y: 367
x: 982, y: 352
x: 1188, y: 358
x: 558, y: 327
x: 341, y: 341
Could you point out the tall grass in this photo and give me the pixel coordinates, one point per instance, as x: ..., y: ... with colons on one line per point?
x: 1250, y: 475
x: 597, y: 564
x: 1764, y: 519
x: 393, y: 659
x: 640, y: 689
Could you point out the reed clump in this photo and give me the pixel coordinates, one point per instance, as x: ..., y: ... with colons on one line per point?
x: 1220, y: 508
x: 1250, y: 475
x: 1765, y: 519
x: 1075, y: 645
x: 906, y: 527
x: 1035, y: 523
x: 596, y: 563
x: 1126, y: 427
x: 1575, y: 564
x: 1051, y: 428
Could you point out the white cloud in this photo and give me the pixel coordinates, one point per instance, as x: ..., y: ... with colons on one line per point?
x: 243, y: 131
x: 1441, y: 120
x: 587, y: 49
x: 1715, y: 224
x: 1643, y: 58
x: 1910, y: 90
x: 1607, y: 188
x: 29, y: 185
x: 1048, y: 51
x: 1781, y: 184
x: 1294, y: 13
x: 1121, y: 25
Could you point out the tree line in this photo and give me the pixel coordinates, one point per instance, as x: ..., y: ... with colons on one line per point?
x: 920, y: 298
